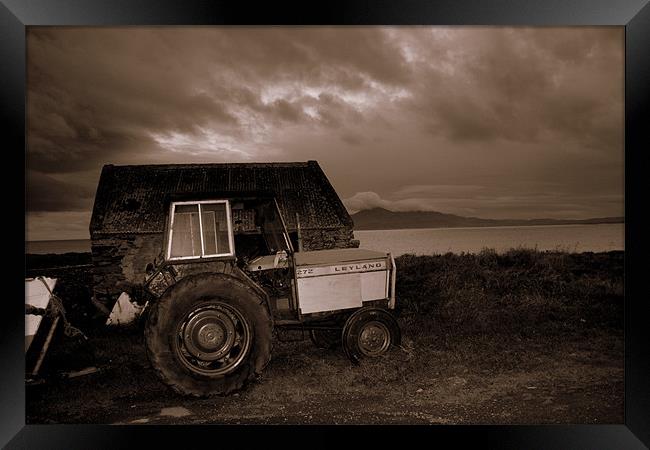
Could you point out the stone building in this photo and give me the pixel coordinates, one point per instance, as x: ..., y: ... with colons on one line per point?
x: 132, y: 204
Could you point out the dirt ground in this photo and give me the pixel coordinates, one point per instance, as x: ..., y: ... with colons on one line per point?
x: 438, y: 378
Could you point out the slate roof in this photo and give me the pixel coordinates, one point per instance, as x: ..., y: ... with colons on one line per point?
x: 135, y: 199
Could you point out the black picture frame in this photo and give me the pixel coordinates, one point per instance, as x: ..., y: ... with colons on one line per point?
x: 634, y: 15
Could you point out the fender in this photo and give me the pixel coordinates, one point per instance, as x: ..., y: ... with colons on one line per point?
x: 237, y: 275
x: 242, y: 276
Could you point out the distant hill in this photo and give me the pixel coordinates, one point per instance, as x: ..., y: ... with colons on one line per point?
x: 383, y: 219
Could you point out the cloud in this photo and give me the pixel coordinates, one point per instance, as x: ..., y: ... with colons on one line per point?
x: 46, y: 193
x: 524, y: 85
x: 432, y: 189
x: 95, y: 93
x: 369, y: 200
x: 61, y: 225
x: 421, y: 117
x: 351, y: 138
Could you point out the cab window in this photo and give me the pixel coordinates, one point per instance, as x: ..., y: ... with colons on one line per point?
x: 200, y: 229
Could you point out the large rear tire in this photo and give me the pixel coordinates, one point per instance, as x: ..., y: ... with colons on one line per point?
x: 208, y: 334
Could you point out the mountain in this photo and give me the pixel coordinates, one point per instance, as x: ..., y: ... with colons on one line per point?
x: 383, y: 219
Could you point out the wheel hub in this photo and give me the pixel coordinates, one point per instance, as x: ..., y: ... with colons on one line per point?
x: 209, y: 334
x: 374, y: 338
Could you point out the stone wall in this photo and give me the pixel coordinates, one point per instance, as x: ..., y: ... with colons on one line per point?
x: 120, y: 262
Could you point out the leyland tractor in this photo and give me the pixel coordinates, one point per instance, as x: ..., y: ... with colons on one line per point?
x: 220, y: 295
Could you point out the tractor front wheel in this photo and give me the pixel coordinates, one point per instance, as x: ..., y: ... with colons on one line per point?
x: 369, y: 333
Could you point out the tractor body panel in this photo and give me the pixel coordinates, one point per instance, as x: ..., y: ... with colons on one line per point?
x: 332, y: 280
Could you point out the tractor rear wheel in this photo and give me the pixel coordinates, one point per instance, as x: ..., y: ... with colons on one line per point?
x: 208, y: 334
x: 369, y: 333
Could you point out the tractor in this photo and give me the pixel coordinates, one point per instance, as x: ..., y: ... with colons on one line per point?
x: 219, y: 296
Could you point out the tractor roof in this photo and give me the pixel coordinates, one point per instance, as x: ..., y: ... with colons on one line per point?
x: 135, y: 199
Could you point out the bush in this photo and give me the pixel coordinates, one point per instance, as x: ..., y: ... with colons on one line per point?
x: 520, y: 290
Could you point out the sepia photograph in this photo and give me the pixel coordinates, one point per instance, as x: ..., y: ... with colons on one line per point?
x: 324, y: 225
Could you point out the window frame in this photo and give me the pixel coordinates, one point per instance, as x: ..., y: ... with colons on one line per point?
x: 170, y: 231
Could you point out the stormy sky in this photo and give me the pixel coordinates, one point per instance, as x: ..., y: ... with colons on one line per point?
x: 478, y: 121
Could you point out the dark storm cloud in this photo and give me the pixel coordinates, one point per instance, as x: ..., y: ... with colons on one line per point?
x: 525, y: 85
x: 538, y: 112
x: 97, y: 94
x: 49, y: 194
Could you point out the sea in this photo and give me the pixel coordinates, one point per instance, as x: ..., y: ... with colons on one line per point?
x: 66, y: 246
x: 427, y: 241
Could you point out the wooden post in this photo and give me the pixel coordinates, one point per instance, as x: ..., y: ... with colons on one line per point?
x: 46, y: 345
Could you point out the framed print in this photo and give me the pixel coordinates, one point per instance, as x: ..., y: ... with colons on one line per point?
x: 281, y: 219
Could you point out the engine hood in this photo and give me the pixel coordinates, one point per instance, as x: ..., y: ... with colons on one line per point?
x: 337, y: 255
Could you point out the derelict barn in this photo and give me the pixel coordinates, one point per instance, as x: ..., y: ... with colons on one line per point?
x: 132, y: 204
